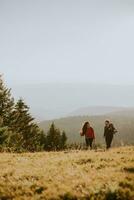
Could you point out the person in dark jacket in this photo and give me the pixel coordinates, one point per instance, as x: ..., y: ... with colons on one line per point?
x: 109, y: 132
x: 89, y: 134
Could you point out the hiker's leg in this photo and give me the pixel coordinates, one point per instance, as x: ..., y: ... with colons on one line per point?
x: 87, y: 142
x: 107, y: 142
x: 91, y: 142
x: 110, y: 141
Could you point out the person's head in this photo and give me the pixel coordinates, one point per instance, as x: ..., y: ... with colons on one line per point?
x: 107, y: 123
x: 88, y: 125
x: 85, y: 126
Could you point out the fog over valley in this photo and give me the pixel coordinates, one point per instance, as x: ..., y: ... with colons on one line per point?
x: 49, y: 101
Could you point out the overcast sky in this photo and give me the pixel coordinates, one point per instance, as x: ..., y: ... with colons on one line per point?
x: 67, y: 41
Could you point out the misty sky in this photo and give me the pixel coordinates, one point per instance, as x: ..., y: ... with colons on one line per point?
x: 67, y: 41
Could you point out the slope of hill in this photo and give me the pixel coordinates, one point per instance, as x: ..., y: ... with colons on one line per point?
x: 127, y: 112
x: 70, y: 175
x: 123, y: 121
x: 96, y: 110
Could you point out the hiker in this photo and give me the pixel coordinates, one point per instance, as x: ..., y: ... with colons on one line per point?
x: 89, y: 134
x: 109, y: 132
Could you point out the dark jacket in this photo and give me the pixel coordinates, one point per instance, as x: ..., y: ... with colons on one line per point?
x: 109, y: 131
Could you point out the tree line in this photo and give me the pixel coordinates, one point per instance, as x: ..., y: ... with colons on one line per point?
x: 18, y: 129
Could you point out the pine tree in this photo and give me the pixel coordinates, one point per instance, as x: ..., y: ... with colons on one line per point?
x: 63, y: 140
x: 50, y: 137
x: 4, y: 134
x: 17, y: 126
x: 42, y: 140
x: 24, y: 125
x: 54, y: 139
x: 6, y: 104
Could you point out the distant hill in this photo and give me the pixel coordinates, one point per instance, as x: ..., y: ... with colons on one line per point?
x: 126, y: 112
x: 96, y: 110
x: 49, y: 101
x: 123, y: 121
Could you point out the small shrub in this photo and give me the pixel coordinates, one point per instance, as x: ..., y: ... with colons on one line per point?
x: 68, y: 196
x: 39, y: 190
x: 129, y: 169
x: 84, y: 161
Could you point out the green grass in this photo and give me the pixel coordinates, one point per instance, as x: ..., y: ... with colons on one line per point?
x: 69, y: 175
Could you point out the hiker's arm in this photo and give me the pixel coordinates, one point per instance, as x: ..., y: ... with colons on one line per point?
x: 81, y: 133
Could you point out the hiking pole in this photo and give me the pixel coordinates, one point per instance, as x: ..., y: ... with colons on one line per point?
x: 94, y: 144
x: 81, y: 140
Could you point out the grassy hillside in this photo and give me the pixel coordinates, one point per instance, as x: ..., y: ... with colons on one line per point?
x: 124, y: 122
x: 72, y: 175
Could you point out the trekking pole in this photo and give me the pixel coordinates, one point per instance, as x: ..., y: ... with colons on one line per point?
x: 81, y: 142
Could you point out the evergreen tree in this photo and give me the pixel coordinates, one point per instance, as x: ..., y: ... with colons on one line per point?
x: 63, y: 140
x: 24, y: 125
x: 42, y: 140
x: 4, y: 134
x: 54, y: 139
x: 51, y: 138
x: 17, y: 126
x: 6, y: 105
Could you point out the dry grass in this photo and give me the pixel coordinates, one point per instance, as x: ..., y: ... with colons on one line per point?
x: 70, y: 175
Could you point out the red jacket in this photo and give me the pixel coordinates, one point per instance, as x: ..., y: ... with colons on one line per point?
x: 90, y: 133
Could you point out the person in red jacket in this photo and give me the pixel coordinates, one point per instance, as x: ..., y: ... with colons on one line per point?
x: 89, y: 134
